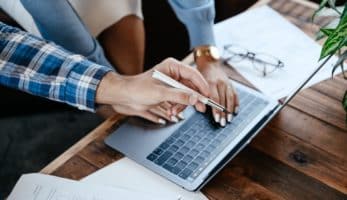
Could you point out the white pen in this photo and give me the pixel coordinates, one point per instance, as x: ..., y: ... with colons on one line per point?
x: 173, y: 83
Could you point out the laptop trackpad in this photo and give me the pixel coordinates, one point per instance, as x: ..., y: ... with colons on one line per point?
x: 137, y: 137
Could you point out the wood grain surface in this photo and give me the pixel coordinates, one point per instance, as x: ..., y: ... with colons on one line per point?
x: 301, y: 154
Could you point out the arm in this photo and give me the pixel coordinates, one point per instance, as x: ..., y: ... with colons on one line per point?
x: 43, y: 69
x: 198, y: 17
x: 58, y: 22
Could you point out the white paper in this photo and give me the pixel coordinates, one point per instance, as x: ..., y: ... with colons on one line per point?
x: 264, y: 30
x: 127, y: 174
x: 45, y: 187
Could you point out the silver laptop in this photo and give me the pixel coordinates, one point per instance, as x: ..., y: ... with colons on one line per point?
x: 192, y: 151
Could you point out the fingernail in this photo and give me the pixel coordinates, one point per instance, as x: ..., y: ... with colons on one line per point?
x: 181, y: 115
x: 230, y: 117
x: 174, y: 119
x: 236, y: 111
x: 161, y: 121
x: 174, y: 112
x: 193, y: 99
x: 222, y: 122
x: 217, y: 117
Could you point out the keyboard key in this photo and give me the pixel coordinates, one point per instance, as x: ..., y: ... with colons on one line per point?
x: 170, y: 140
x: 158, y: 151
x: 210, y: 148
x: 191, y: 132
x: 173, y: 148
x: 196, y: 138
x: 179, y: 143
x: 205, y: 141
x: 185, y: 173
x: 164, y: 145
x: 163, y: 158
x: 199, y: 159
x: 190, y: 144
x: 216, y: 143
x: 172, y: 161
x: 200, y: 147
x: 181, y: 165
x: 185, y: 137
x: 193, y: 166
x: 175, y: 170
x: 178, y: 156
x: 168, y: 167
x: 187, y: 158
x: 152, y: 157
x: 193, y: 152
x: 184, y: 150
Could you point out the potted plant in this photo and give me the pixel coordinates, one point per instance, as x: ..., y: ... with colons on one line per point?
x: 336, y: 37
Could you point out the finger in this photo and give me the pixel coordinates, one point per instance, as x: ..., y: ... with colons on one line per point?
x: 236, y: 101
x: 161, y: 112
x: 178, y: 96
x: 178, y: 70
x: 178, y: 109
x: 221, y: 92
x: 230, y: 103
x: 167, y: 106
x: 151, y: 117
x: 200, y: 107
x: 215, y: 97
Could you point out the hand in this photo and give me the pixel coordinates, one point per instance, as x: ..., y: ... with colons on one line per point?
x: 221, y: 90
x: 139, y: 95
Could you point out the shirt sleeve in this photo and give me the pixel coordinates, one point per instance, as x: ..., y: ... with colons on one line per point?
x: 41, y: 68
x: 198, y: 17
x: 57, y: 21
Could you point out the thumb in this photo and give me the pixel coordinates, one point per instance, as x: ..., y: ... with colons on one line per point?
x: 179, y: 96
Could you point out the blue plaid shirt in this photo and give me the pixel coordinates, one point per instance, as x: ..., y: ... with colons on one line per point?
x: 41, y: 68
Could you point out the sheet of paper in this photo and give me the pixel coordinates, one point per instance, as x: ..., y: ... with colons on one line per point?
x: 127, y: 174
x: 44, y: 187
x: 263, y: 30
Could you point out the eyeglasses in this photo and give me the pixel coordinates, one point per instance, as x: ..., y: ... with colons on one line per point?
x: 263, y: 63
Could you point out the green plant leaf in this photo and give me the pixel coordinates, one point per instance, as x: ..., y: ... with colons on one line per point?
x: 336, y: 40
x: 344, y: 15
x: 339, y: 62
x: 327, y: 31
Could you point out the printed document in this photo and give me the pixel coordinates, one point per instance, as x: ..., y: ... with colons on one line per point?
x: 263, y: 30
x: 45, y: 187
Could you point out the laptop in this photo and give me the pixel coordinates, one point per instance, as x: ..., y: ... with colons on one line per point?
x: 191, y: 152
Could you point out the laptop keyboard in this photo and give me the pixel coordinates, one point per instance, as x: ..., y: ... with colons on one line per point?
x: 189, y: 150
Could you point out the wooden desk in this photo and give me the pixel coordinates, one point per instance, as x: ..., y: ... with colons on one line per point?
x: 301, y: 154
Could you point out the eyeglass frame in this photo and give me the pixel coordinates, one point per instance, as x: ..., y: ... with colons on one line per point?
x: 252, y: 57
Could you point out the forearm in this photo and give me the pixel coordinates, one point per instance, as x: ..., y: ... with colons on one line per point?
x: 198, y: 17
x: 44, y: 69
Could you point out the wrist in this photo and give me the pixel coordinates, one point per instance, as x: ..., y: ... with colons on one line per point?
x: 109, y: 89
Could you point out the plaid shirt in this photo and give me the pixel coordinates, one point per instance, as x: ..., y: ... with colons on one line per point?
x: 41, y: 68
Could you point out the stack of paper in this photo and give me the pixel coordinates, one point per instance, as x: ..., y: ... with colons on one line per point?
x: 44, y: 187
x: 123, y: 179
x: 263, y: 30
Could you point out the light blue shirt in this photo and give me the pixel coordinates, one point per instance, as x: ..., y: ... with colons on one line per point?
x: 198, y: 17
